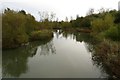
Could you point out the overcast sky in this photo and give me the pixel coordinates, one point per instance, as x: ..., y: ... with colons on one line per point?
x: 62, y: 8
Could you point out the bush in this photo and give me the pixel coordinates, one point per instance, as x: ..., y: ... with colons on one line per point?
x: 13, y: 29
x: 102, y: 24
x: 66, y: 25
x: 113, y: 33
x: 41, y: 35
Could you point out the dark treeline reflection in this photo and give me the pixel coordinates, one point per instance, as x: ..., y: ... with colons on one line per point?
x: 14, y: 62
x: 105, y: 54
x: 47, y: 49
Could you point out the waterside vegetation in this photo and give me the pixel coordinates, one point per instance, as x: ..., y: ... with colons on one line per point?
x: 19, y: 28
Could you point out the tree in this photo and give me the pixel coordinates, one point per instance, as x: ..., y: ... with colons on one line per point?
x: 46, y: 16
x: 117, y: 17
x: 52, y: 16
x: 23, y: 12
x: 90, y: 12
x: 15, y: 28
x: 43, y: 16
x: 102, y: 24
x: 66, y: 19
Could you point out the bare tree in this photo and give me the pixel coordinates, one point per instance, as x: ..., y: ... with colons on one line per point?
x: 52, y: 16
x: 71, y: 18
x: 46, y: 16
x: 43, y: 16
x: 66, y: 19
x: 90, y: 12
x: 102, y: 10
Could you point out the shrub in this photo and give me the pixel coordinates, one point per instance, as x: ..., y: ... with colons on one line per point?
x: 13, y: 29
x: 113, y: 33
x: 41, y: 35
x: 66, y: 25
x: 102, y: 24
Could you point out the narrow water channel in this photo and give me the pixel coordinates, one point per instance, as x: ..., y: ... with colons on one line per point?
x: 64, y: 56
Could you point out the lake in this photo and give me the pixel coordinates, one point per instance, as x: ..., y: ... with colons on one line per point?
x: 66, y: 55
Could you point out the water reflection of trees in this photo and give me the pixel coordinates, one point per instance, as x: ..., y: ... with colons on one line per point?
x: 58, y: 32
x: 47, y: 49
x: 68, y: 35
x: 65, y: 34
x: 105, y: 54
x: 14, y: 62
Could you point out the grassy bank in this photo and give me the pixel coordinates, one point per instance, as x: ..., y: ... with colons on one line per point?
x: 41, y: 35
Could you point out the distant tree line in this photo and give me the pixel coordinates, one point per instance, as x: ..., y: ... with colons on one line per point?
x: 105, y: 24
x: 18, y: 27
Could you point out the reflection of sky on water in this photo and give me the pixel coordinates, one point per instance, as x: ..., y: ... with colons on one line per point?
x: 62, y: 57
x: 46, y: 49
x: 70, y: 59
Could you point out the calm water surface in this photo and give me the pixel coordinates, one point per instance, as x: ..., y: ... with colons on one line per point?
x: 62, y: 57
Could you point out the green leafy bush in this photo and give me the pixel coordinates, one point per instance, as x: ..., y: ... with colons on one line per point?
x: 13, y: 29
x: 102, y: 24
x: 41, y: 35
x: 113, y: 33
